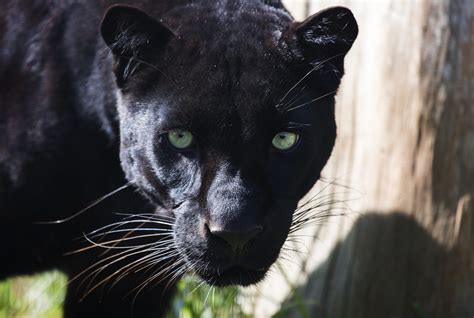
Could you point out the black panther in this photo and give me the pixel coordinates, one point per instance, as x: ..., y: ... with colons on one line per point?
x: 205, y: 122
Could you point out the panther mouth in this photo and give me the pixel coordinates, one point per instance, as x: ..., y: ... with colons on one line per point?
x: 234, y: 275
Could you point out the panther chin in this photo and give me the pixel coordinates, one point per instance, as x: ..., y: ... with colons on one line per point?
x: 233, y: 275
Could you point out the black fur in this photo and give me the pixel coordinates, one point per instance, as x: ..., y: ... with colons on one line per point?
x: 76, y: 92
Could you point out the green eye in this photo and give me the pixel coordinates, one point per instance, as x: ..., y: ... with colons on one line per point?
x: 285, y: 140
x: 180, y: 139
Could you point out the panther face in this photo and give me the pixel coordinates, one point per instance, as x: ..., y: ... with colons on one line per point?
x: 226, y: 123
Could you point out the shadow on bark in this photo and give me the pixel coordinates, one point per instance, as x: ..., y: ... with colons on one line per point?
x: 388, y: 266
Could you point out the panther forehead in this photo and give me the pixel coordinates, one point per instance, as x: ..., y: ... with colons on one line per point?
x: 229, y: 20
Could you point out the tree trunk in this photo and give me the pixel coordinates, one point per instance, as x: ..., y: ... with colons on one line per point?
x: 406, y: 143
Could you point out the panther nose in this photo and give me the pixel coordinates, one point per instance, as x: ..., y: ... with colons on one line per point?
x: 235, y: 239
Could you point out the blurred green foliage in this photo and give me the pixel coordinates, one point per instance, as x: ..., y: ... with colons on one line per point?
x: 41, y: 296
x: 194, y: 299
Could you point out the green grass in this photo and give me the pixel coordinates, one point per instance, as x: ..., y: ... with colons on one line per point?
x: 42, y: 296
x: 38, y: 296
x: 195, y: 300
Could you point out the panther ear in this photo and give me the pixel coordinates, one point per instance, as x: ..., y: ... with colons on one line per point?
x: 325, y: 37
x: 133, y: 37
